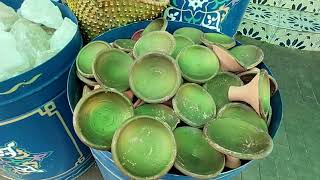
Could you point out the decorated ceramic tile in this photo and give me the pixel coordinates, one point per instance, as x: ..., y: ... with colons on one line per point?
x: 301, y: 5
x: 262, y: 13
x: 267, y: 2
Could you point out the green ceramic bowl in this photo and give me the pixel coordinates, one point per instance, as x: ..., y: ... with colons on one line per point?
x: 156, y: 41
x: 189, y: 32
x: 97, y: 116
x: 248, y: 56
x: 124, y: 44
x: 87, y: 55
x: 181, y: 43
x: 88, y: 81
x: 225, y: 41
x: 198, y: 63
x: 194, y: 105
x: 195, y: 157
x: 159, y: 24
x: 244, y: 113
x: 155, y: 77
x: 144, y: 148
x: 160, y: 112
x: 264, y: 93
x: 238, y: 138
x: 218, y: 87
x: 111, y: 69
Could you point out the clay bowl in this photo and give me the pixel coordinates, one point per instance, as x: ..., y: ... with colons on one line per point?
x: 87, y: 55
x: 195, y: 157
x: 111, y: 69
x: 218, y: 87
x: 160, y: 112
x: 189, y: 32
x: 159, y: 24
x: 194, y: 105
x: 195, y: 69
x: 181, y: 43
x: 144, y: 148
x: 124, y: 44
x: 223, y: 40
x: 154, y: 77
x: 248, y: 56
x: 156, y: 41
x: 97, y: 116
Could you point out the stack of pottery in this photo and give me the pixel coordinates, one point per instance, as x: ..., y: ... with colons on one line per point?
x: 191, y: 100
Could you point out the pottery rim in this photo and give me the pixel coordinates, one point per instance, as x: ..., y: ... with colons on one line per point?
x: 137, y: 35
x: 116, y: 45
x: 205, y: 86
x: 189, y: 29
x: 161, y: 20
x: 183, y: 37
x: 87, y: 81
x: 263, y: 76
x: 210, y: 43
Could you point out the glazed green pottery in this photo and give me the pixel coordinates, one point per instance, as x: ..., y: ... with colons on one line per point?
x: 88, y: 81
x: 248, y: 56
x: 87, y: 55
x: 156, y: 41
x: 98, y: 115
x: 192, y: 33
x: 160, y: 112
x: 225, y: 41
x: 155, y: 77
x: 144, y: 148
x: 195, y: 157
x: 218, y: 87
x: 243, y: 113
x: 198, y: 63
x: 124, y: 44
x: 159, y: 24
x: 194, y: 105
x: 111, y: 69
x: 238, y: 138
x: 181, y: 42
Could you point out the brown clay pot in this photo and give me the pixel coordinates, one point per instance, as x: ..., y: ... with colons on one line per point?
x: 232, y: 162
x: 227, y: 61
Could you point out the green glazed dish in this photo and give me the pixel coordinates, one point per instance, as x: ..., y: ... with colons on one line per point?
x: 194, y: 105
x: 192, y: 33
x: 264, y: 93
x: 159, y: 24
x: 155, y: 77
x: 111, y: 69
x: 198, y: 63
x: 195, y: 157
x: 98, y: 115
x: 124, y: 44
x: 238, y: 138
x: 218, y: 87
x: 156, y: 41
x: 160, y: 112
x: 144, y: 148
x: 223, y: 40
x: 248, y: 56
x: 244, y: 113
x: 181, y: 42
x: 87, y: 55
x: 88, y: 81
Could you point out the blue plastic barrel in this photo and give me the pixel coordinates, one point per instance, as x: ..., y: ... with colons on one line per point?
x: 37, y: 138
x: 104, y: 158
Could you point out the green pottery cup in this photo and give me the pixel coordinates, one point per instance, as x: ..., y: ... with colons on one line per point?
x: 198, y: 63
x: 124, y: 44
x: 111, y: 69
x: 248, y: 56
x: 159, y: 24
x: 181, y: 43
x: 98, y: 115
x: 155, y: 77
x: 223, y: 40
x: 144, y: 148
x: 87, y: 55
x: 160, y: 112
x: 195, y: 157
x: 238, y: 138
x: 194, y: 105
x: 218, y: 87
x: 189, y: 32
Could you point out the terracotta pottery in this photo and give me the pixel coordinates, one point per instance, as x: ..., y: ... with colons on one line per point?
x: 248, y: 56
x: 88, y: 81
x: 137, y: 35
x: 232, y: 162
x: 256, y: 93
x: 160, y: 112
x: 223, y: 40
x: 181, y: 43
x: 155, y: 77
x: 198, y: 63
x: 111, y: 69
x: 218, y: 87
x: 129, y: 94
x: 156, y: 41
x: 238, y: 138
x: 138, y: 103
x: 98, y: 115
x: 195, y: 157
x: 87, y: 55
x: 85, y: 90
x: 124, y: 44
x: 144, y: 148
x: 194, y: 105
x: 189, y: 32
x: 159, y: 24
